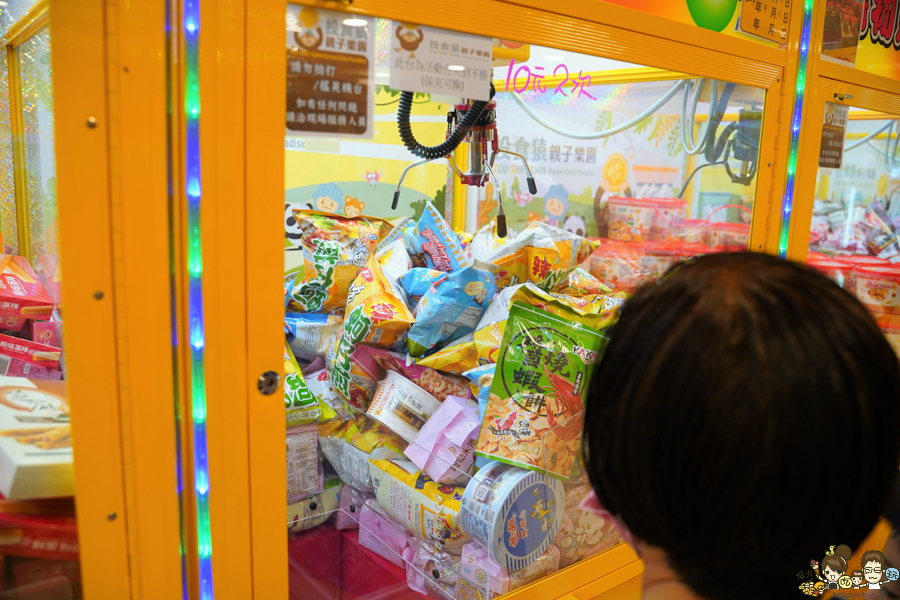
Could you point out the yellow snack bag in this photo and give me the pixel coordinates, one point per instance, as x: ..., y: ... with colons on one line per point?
x: 476, y: 349
x: 581, y: 283
x: 376, y: 315
x: 541, y: 254
x: 349, y: 445
x: 427, y: 509
x: 590, y: 310
x: 334, y: 250
x: 301, y: 405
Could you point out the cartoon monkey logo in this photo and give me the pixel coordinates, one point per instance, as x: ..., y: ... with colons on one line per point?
x: 409, y: 41
x: 307, y: 38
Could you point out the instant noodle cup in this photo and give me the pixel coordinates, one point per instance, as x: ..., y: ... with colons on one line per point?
x: 439, y: 385
x: 878, y: 288
x: 376, y: 315
x: 668, y: 222
x: 402, y: 406
x: 729, y: 235
x: 513, y: 513
x: 631, y: 219
x: 535, y: 412
x: 334, y: 250
x: 541, y: 254
x: 433, y: 244
x: 426, y: 509
x: 858, y: 261
x: 839, y: 272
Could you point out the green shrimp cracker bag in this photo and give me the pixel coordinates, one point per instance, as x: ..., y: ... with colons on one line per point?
x: 535, y: 411
x: 301, y: 405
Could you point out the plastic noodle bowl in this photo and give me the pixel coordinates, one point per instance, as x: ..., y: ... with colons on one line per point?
x: 890, y: 327
x: 810, y: 255
x: 402, y: 406
x: 669, y: 219
x: 503, y: 502
x: 643, y: 219
x: 858, y: 261
x: 839, y: 272
x: 878, y: 288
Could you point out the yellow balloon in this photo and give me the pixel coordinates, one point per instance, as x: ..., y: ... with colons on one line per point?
x: 309, y: 17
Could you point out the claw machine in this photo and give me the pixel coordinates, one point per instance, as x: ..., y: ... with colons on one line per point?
x: 413, y: 233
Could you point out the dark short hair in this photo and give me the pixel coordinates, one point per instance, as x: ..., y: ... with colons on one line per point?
x: 722, y: 390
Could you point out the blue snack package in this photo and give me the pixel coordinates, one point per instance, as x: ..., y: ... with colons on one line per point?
x: 450, y: 309
x: 417, y: 281
x: 431, y: 243
x: 310, y: 335
x: 482, y: 377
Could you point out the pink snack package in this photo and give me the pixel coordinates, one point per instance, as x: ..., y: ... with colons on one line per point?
x: 48, y: 332
x: 437, y: 384
x: 431, y: 570
x: 30, y: 352
x: 381, y: 535
x: 13, y: 323
x: 352, y: 501
x: 584, y: 531
x: 13, y: 367
x: 445, y: 446
x: 479, y: 567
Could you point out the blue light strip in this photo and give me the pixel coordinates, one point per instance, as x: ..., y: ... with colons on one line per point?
x: 787, y: 202
x: 193, y: 189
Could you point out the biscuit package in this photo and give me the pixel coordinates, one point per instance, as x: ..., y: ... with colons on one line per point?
x: 535, y: 412
x: 432, y: 243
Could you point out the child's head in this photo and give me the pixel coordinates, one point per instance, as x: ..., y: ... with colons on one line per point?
x: 872, y: 563
x: 856, y: 577
x: 721, y: 386
x: 835, y: 565
x: 556, y: 201
x: 328, y: 197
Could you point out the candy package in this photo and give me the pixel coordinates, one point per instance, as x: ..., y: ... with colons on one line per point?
x: 349, y: 445
x: 535, y: 413
x: 334, y: 249
x: 380, y: 534
x: 375, y: 315
x: 351, y: 506
x: 301, y: 405
x: 426, y: 509
x: 433, y: 244
x: 418, y: 281
x: 437, y: 384
x: 311, y: 335
x: 582, y: 532
x: 305, y: 475
x: 450, y: 309
x: 444, y: 448
x: 315, y: 509
x: 542, y: 254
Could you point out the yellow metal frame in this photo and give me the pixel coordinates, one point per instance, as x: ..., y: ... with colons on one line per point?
x: 109, y: 80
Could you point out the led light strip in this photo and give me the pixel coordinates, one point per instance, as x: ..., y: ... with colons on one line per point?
x: 191, y: 27
x: 787, y: 202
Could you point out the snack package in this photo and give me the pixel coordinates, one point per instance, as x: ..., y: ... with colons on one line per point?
x: 30, y: 352
x: 402, y: 406
x: 320, y: 387
x: 450, y: 309
x: 428, y: 510
x: 351, y: 506
x: 395, y: 263
x: 311, y: 335
x: 49, y: 333
x: 582, y: 532
x: 375, y: 315
x: 396, y: 233
x: 431, y: 569
x: 581, y: 283
x: 512, y: 512
x: 380, y: 534
x: 21, y: 294
x: 535, y: 413
x: 444, y: 448
x: 304, y: 470
x: 479, y: 348
x: 482, y: 377
x: 437, y: 384
x: 433, y: 244
x: 315, y: 509
x: 546, y: 564
x: 542, y: 254
x: 349, y: 445
x: 300, y: 404
x: 289, y: 280
x: 597, y: 312
x: 334, y: 250
x: 479, y: 567
x: 418, y: 281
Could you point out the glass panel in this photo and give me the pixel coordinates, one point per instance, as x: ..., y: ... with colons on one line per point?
x: 418, y: 397
x: 40, y: 160
x: 856, y: 217
x: 9, y: 227
x: 12, y: 11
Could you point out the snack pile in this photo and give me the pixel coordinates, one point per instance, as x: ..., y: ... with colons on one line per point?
x: 434, y: 403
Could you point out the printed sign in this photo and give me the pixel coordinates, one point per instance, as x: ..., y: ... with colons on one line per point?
x: 436, y: 61
x: 768, y: 19
x: 840, y: 37
x: 330, y: 73
x: 831, y: 151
